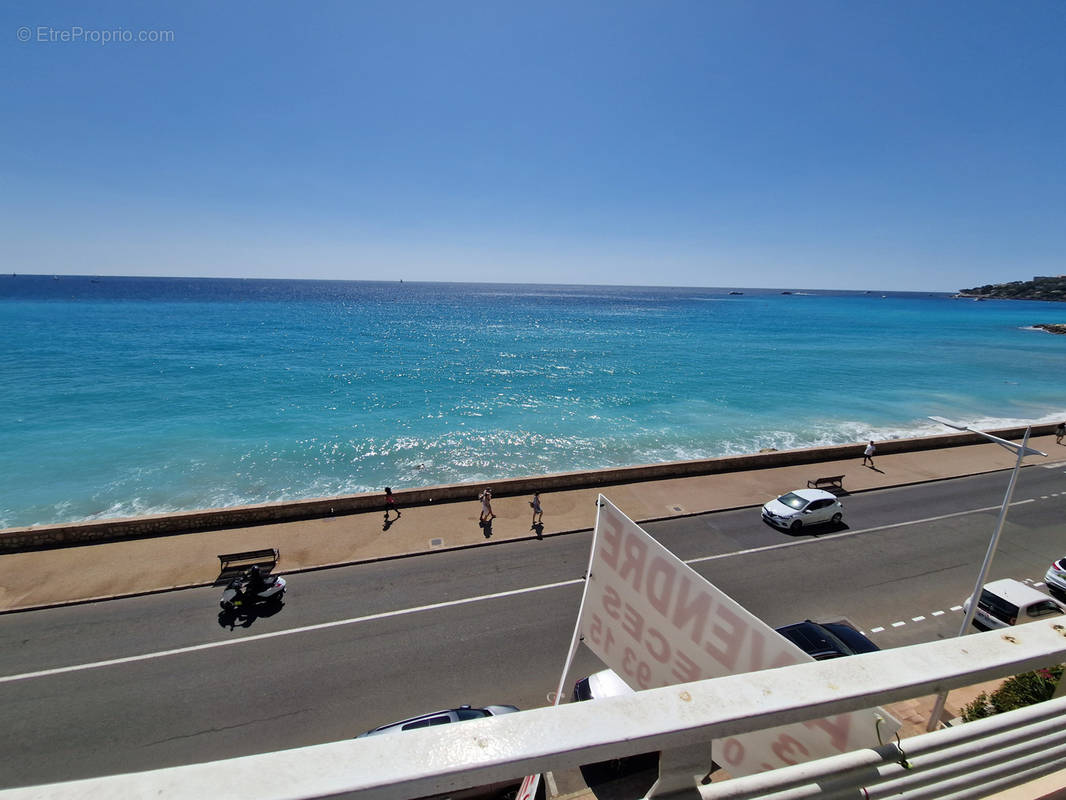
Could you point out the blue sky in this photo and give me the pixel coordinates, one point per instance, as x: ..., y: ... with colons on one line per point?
x: 852, y: 144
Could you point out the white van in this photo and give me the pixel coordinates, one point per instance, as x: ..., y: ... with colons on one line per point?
x: 1009, y: 602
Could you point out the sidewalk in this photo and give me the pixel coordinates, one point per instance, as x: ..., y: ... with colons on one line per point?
x: 65, y: 575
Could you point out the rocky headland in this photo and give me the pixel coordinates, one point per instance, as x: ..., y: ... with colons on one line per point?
x: 1053, y: 327
x: 1039, y: 288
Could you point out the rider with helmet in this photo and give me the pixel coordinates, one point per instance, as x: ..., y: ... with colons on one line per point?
x: 254, y: 582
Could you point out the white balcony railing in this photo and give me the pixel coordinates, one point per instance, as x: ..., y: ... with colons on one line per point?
x: 968, y: 760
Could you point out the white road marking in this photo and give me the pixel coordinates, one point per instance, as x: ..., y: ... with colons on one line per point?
x: 451, y: 603
x: 274, y: 634
x: 880, y: 629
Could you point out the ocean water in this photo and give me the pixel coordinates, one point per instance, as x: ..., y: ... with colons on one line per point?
x: 127, y: 396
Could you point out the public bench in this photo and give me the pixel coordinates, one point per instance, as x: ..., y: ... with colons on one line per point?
x: 231, y: 564
x: 832, y: 481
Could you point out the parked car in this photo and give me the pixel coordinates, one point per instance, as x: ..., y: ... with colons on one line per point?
x: 824, y: 640
x: 503, y: 790
x: 440, y: 718
x: 1009, y: 602
x: 627, y: 777
x: 801, y: 507
x: 1055, y: 578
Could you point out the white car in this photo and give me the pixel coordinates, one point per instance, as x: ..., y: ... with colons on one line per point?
x: 1009, y: 602
x: 1055, y: 578
x: 801, y: 507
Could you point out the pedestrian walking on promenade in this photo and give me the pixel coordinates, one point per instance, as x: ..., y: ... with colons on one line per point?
x: 486, y: 505
x: 390, y: 504
x: 868, y: 454
x: 538, y: 513
x: 1060, y: 431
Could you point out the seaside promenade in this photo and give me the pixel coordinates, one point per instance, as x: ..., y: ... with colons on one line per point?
x: 75, y: 574
x: 48, y: 577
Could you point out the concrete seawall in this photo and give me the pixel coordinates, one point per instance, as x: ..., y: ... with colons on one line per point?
x: 15, y: 540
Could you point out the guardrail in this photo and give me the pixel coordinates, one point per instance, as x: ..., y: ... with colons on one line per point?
x: 962, y: 761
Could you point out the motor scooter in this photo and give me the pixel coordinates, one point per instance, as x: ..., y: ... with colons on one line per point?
x: 237, y: 592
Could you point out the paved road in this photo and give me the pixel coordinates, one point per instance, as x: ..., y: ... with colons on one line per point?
x: 358, y: 646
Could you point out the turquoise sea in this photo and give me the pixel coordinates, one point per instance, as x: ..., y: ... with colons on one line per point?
x: 127, y: 396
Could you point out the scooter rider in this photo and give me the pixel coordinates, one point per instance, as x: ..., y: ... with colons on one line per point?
x: 254, y: 583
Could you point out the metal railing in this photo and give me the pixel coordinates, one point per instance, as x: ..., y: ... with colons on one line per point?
x: 968, y: 760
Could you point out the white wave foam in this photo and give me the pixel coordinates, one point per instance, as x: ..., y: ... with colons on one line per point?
x: 341, y: 466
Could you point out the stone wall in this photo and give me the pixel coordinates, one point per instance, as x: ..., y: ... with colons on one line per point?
x: 40, y: 537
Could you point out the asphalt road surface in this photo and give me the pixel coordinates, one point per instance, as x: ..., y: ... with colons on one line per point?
x: 360, y: 646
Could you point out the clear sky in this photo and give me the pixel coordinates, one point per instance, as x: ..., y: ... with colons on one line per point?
x: 801, y: 143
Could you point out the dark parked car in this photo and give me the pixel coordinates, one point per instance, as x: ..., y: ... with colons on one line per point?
x: 823, y: 640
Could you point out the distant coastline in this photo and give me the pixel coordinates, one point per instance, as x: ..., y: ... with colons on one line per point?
x: 1039, y: 288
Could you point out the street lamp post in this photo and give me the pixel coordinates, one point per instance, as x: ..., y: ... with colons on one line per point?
x: 1022, y: 451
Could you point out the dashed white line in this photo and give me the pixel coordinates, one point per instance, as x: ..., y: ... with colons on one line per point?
x: 920, y: 618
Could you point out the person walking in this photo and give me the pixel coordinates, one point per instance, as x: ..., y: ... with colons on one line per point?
x: 868, y: 454
x: 486, y: 505
x: 1060, y: 431
x: 538, y: 513
x: 390, y: 504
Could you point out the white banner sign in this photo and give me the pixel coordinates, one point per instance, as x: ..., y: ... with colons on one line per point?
x: 657, y: 622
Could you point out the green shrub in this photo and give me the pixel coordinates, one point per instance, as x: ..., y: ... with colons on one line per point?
x: 1017, y: 692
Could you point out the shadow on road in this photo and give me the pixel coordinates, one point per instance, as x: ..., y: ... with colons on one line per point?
x: 244, y: 617
x: 814, y: 530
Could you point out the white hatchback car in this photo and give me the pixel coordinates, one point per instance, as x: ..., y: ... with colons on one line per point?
x: 801, y: 507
